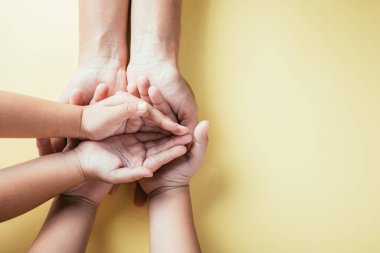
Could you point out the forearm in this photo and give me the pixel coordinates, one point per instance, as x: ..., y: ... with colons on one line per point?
x: 27, y: 185
x: 155, y: 31
x: 171, y: 222
x: 103, y: 32
x: 67, y: 226
x: 24, y: 116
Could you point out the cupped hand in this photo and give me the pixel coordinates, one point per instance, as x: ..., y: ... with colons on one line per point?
x: 178, y: 172
x: 174, y: 88
x: 123, y: 158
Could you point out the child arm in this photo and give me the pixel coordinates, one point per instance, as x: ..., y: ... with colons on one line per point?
x: 25, y: 116
x: 67, y: 226
x: 27, y: 185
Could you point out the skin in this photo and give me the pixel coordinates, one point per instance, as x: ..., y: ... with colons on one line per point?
x: 75, y: 208
x: 155, y: 41
x: 103, y: 47
x: 170, y: 202
x: 118, y: 159
x: 168, y: 190
x: 24, y: 116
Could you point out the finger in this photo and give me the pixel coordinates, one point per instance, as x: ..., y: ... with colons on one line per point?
x: 126, y: 175
x: 152, y: 129
x: 114, y: 189
x: 140, y: 197
x: 126, y: 111
x: 143, y: 85
x: 156, y: 147
x: 76, y: 97
x: 133, y: 89
x: 44, y: 146
x: 149, y: 136
x: 164, y: 122
x: 199, y: 147
x: 58, y: 144
x: 160, y: 103
x: 101, y: 92
x: 156, y: 161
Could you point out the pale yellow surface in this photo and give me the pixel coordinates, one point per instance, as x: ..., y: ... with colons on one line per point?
x: 291, y: 89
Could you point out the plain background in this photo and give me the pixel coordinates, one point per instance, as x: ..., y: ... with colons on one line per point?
x: 291, y: 89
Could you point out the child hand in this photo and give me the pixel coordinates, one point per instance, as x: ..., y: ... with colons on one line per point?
x: 124, y: 113
x: 178, y: 172
x: 124, y: 158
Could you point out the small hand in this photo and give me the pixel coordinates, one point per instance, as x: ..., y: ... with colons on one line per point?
x: 124, y: 158
x: 124, y: 113
x: 178, y: 172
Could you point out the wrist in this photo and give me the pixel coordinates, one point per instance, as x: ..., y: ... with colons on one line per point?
x: 111, y: 54
x: 164, y: 192
x: 75, y: 157
x: 78, y: 201
x: 155, y: 52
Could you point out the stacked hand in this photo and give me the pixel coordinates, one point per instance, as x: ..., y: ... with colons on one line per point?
x: 124, y: 157
x: 178, y: 172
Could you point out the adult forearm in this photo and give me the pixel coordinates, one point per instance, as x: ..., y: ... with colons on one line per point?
x: 155, y: 31
x: 24, y: 116
x: 27, y: 185
x: 67, y: 226
x: 103, y: 31
x: 171, y: 222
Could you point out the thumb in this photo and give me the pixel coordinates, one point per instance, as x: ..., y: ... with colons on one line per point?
x: 198, y: 150
x: 126, y: 175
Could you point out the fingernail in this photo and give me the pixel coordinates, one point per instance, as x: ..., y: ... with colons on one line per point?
x: 142, y: 107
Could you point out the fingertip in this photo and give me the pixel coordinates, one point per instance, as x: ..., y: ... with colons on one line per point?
x: 145, y: 172
x: 76, y: 97
x: 131, y: 87
x: 142, y: 107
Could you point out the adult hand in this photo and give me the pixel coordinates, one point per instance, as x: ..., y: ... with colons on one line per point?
x: 174, y: 88
x: 178, y: 172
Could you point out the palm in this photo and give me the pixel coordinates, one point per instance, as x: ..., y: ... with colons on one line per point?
x: 102, y: 155
x: 176, y: 173
x: 122, y: 151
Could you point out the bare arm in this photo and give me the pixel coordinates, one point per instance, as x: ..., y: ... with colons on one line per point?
x: 103, y: 50
x: 24, y: 116
x: 67, y: 226
x: 155, y: 31
x: 171, y: 222
x: 155, y: 42
x: 27, y: 185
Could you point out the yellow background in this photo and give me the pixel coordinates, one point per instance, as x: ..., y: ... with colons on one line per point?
x: 291, y: 89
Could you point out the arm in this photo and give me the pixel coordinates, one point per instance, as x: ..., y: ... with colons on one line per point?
x: 24, y: 186
x: 67, y: 226
x: 155, y: 31
x: 103, y: 50
x: 27, y: 185
x: 170, y: 212
x: 155, y: 41
x: 171, y: 220
x: 24, y: 116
